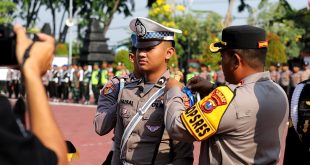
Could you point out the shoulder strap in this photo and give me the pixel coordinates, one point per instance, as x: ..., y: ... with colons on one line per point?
x: 121, y: 87
x: 121, y: 83
x: 134, y: 121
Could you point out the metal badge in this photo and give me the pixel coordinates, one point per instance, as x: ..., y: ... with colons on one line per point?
x: 140, y: 28
x: 162, y: 80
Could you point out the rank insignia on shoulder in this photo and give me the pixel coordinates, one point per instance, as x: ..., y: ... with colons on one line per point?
x: 108, y: 88
x: 202, y: 120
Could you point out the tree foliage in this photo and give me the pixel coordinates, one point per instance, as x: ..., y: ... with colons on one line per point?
x: 29, y: 11
x: 198, y: 33
x: 123, y: 57
x: 165, y: 14
x: 269, y: 16
x: 199, y: 29
x: 301, y: 20
x: 276, y: 50
x: 53, y: 6
x: 7, y: 7
x: 104, y: 10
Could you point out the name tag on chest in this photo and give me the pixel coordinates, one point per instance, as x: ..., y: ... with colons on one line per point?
x: 129, y: 102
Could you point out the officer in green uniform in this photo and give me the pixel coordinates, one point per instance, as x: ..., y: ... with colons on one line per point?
x: 95, y: 81
x: 103, y: 75
x: 242, y: 123
x: 86, y: 80
x: 192, y: 71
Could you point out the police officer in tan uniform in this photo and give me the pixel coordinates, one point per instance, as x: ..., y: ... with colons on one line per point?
x: 105, y: 117
x: 141, y: 102
x: 241, y: 123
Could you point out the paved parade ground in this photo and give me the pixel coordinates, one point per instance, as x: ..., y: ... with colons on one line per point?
x: 76, y: 122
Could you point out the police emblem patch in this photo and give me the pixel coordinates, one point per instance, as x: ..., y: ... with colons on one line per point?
x: 217, y: 99
x: 140, y: 28
x: 108, y: 88
x: 152, y: 128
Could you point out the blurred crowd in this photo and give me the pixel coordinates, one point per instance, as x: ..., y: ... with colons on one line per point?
x: 76, y: 83
x: 288, y: 78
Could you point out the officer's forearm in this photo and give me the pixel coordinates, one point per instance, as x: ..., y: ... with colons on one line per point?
x: 105, y: 119
x: 104, y: 122
x: 42, y: 121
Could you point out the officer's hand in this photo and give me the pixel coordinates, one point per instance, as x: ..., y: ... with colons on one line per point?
x: 173, y: 83
x: 201, y: 85
x: 41, y: 53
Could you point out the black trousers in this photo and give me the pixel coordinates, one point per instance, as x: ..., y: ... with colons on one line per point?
x: 53, y: 89
x: 16, y: 88
x: 96, y: 92
x: 84, y: 91
x: 9, y: 87
x: 65, y: 90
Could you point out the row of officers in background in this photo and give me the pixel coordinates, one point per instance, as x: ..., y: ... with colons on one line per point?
x: 288, y: 78
x: 65, y: 82
x: 59, y: 81
x: 280, y: 73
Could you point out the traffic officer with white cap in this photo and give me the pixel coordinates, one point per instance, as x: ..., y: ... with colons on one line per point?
x: 140, y: 134
x: 241, y: 123
x: 105, y: 117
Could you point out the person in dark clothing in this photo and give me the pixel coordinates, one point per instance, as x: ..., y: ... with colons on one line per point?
x: 37, y: 146
x: 297, y: 150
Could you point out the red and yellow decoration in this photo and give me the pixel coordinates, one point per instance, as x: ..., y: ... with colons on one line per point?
x: 108, y: 88
x: 202, y: 120
x: 263, y: 44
